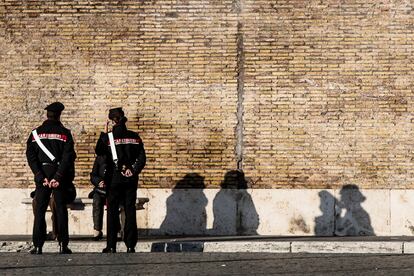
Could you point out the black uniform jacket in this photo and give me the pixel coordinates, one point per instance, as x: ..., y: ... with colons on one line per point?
x: 98, y: 170
x: 58, y: 140
x: 130, y: 151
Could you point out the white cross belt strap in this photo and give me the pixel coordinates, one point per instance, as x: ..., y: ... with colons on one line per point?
x: 113, y: 148
x: 42, y: 146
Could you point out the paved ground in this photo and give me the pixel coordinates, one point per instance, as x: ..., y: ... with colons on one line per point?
x: 205, y: 264
x: 229, y: 244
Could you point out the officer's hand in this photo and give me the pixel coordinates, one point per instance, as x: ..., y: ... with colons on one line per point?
x: 107, y: 125
x: 127, y: 173
x: 101, y: 184
x: 54, y: 183
x: 46, y: 182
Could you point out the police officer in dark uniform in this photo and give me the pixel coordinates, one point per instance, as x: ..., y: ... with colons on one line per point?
x: 123, y: 169
x: 51, y: 155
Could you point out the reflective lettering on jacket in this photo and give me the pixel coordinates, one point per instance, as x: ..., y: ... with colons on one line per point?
x: 127, y: 141
x: 52, y: 136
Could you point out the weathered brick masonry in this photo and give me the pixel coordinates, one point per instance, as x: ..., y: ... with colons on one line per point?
x: 300, y: 94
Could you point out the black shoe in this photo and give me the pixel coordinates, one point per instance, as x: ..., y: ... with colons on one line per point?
x: 130, y: 250
x: 36, y: 250
x: 51, y: 236
x: 98, y: 237
x: 64, y: 249
x: 109, y: 250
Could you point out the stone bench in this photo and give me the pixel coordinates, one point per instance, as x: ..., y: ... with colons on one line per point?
x: 80, y: 202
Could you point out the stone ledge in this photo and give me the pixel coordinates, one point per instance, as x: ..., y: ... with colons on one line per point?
x: 327, y: 247
x: 250, y: 246
x: 358, y: 247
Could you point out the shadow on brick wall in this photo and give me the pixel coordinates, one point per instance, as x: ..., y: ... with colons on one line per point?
x: 344, y: 216
x: 186, y: 207
x: 233, y: 207
x: 325, y: 224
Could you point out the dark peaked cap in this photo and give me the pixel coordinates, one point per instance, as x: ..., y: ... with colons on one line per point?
x: 57, y: 107
x: 116, y: 113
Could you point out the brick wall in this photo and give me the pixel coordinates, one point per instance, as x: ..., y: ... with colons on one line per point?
x: 300, y: 94
x: 328, y: 93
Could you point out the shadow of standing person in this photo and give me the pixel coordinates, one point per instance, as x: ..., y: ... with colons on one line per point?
x: 186, y: 208
x: 350, y: 218
x: 324, y: 224
x: 233, y: 207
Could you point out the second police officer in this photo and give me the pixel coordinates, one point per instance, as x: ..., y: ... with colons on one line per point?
x: 126, y: 158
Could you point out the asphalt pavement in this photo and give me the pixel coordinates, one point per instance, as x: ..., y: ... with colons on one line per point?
x: 206, y: 264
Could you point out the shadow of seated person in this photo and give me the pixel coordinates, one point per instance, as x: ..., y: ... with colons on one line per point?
x: 186, y: 208
x: 324, y: 224
x: 351, y: 219
x: 233, y: 207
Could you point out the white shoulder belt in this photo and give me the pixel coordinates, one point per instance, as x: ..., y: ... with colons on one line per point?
x: 113, y: 148
x: 42, y: 146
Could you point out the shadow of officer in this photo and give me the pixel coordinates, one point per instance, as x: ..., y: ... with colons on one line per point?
x: 233, y: 207
x: 186, y: 207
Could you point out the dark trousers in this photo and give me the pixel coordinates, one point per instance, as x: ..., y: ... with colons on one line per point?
x: 98, y: 210
x: 125, y: 192
x: 52, y: 206
x: 39, y: 227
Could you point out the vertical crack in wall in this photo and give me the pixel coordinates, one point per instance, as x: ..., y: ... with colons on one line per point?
x: 334, y: 215
x: 240, y: 93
